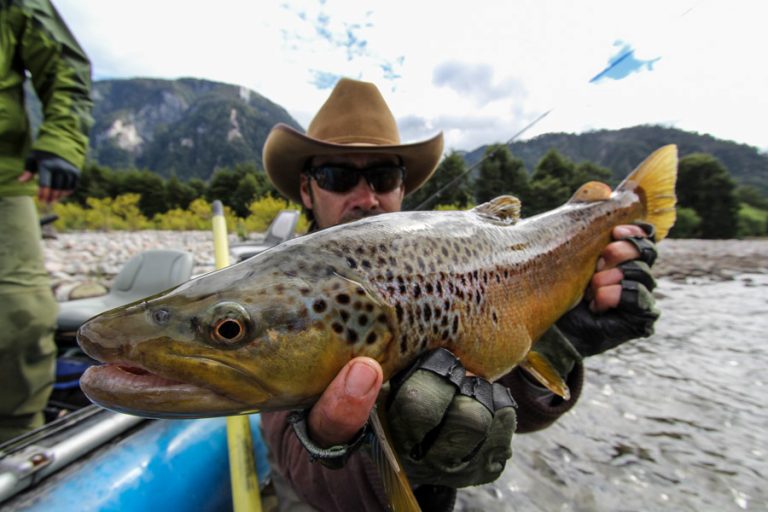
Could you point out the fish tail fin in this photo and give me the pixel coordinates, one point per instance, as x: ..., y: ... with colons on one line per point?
x: 542, y: 370
x: 396, y: 485
x: 655, y: 180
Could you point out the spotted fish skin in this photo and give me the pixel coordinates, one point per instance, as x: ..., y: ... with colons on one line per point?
x: 271, y: 332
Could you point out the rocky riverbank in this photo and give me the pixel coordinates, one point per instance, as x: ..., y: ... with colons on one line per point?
x: 84, y: 263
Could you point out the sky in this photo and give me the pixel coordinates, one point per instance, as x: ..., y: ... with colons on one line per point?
x: 479, y: 71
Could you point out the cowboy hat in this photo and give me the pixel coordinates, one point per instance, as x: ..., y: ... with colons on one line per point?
x: 354, y: 119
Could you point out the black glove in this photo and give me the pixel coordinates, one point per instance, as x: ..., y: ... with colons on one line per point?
x: 53, y: 171
x: 593, y: 333
x: 450, y: 429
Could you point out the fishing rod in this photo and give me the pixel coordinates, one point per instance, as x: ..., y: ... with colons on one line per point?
x: 435, y: 195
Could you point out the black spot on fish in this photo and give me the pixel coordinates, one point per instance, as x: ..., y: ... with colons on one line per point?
x: 360, y: 249
x: 477, y: 297
x: 427, y: 313
x: 438, y: 312
x: 319, y: 306
x: 495, y: 318
x: 371, y: 339
x: 366, y: 264
x: 342, y: 298
x: 402, y: 289
x: 446, y: 335
x: 444, y: 321
x: 382, y: 248
x: 382, y: 318
x: 368, y: 307
x: 403, y: 344
x: 439, y: 288
x: 444, y: 250
x: 362, y: 320
x: 391, y: 290
x: 409, y: 268
x: 360, y: 290
x: 357, y: 305
x: 399, y: 311
x: 455, y: 326
x: 337, y: 327
x: 344, y: 315
x: 389, y: 275
x: 305, y: 291
x: 420, y: 262
x: 416, y: 290
x: 393, y: 261
x: 351, y: 336
x: 429, y: 288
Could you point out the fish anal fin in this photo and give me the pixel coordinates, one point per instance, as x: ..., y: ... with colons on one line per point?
x: 591, y: 192
x: 542, y: 370
x: 503, y: 209
x: 396, y: 485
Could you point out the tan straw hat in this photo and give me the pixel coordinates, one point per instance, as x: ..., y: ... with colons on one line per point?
x: 354, y: 119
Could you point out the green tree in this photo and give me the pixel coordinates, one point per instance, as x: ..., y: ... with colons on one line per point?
x: 239, y: 187
x: 178, y: 194
x: 705, y: 185
x: 451, y: 177
x: 552, y: 183
x: 752, y: 196
x: 149, y: 186
x: 95, y: 181
x: 687, y: 224
x: 501, y: 173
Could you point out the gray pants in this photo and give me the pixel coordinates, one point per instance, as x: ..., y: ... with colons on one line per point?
x: 27, y: 320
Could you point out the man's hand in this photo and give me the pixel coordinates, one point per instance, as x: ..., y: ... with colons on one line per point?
x: 57, y: 178
x: 345, y: 405
x: 449, y: 428
x: 618, y: 305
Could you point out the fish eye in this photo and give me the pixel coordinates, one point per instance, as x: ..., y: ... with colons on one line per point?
x: 227, y: 324
x: 228, y: 330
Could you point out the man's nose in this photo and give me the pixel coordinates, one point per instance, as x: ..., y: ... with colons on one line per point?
x: 363, y: 195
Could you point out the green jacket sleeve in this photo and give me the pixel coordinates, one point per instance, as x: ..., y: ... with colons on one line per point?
x: 61, y: 76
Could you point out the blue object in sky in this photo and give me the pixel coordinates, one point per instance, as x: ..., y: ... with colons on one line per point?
x: 623, y: 64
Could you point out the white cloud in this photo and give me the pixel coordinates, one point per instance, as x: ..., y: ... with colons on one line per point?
x: 478, y: 72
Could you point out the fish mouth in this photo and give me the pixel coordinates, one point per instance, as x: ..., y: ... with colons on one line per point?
x: 133, y: 390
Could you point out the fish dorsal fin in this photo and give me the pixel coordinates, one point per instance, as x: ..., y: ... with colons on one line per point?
x: 542, y: 370
x: 396, y: 485
x: 591, y: 192
x: 503, y: 209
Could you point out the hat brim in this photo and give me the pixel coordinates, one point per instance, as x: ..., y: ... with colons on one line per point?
x: 286, y: 152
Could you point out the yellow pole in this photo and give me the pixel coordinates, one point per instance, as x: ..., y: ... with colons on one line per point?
x: 242, y: 463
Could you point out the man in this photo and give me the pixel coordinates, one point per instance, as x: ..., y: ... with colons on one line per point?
x: 34, y: 39
x: 451, y: 430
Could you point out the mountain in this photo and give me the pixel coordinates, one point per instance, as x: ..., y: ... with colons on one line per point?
x: 187, y: 127
x: 621, y: 150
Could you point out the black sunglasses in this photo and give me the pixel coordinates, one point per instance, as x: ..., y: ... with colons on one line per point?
x: 381, y: 178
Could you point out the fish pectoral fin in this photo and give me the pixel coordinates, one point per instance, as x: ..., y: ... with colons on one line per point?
x: 503, y: 209
x: 539, y: 367
x: 396, y: 485
x: 591, y: 192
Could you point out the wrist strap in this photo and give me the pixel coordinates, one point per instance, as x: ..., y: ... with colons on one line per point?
x: 333, y: 457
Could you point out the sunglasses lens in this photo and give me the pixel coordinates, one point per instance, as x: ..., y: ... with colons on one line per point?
x: 385, y: 179
x: 335, y: 179
x: 381, y: 179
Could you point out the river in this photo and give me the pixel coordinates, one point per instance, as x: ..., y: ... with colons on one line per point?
x: 672, y: 422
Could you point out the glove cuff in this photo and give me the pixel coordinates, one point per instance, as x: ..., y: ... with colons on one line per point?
x: 537, y: 412
x: 333, y: 457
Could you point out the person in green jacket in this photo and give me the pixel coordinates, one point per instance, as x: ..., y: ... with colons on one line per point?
x: 34, y: 40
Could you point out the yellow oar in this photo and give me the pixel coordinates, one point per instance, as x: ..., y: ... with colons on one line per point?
x: 242, y: 463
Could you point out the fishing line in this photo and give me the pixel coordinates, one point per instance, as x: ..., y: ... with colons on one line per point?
x: 612, y: 65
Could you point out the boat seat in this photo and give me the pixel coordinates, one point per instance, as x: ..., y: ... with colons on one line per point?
x: 282, y: 228
x: 145, y: 274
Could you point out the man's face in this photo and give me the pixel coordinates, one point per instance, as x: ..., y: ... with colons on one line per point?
x: 332, y: 208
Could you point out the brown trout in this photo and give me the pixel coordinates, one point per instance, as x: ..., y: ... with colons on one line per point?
x: 271, y: 332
